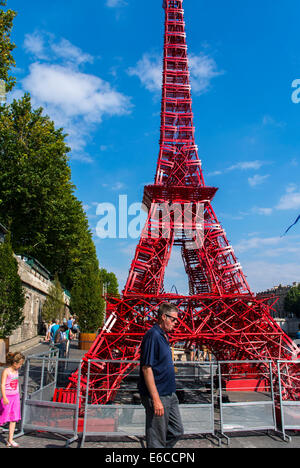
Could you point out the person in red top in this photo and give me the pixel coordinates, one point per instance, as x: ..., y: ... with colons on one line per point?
x: 10, y: 404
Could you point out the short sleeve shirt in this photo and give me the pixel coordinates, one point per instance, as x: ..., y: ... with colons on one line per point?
x: 53, y: 330
x: 156, y: 353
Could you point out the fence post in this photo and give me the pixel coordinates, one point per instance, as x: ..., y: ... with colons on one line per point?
x: 221, y: 404
x: 42, y: 377
x: 75, y: 437
x: 25, y: 396
x: 284, y: 435
x: 78, y: 397
x: 272, y: 394
x: 86, y: 403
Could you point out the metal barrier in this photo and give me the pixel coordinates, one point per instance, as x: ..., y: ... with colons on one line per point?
x: 242, y: 408
x: 248, y: 406
x: 123, y: 419
x: 289, y: 372
x: 44, y: 374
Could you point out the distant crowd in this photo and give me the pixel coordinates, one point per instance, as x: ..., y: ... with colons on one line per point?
x: 59, y: 334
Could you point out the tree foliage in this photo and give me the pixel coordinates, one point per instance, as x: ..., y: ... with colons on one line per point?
x: 54, y: 307
x: 292, y: 301
x: 86, y: 301
x: 36, y: 193
x: 37, y: 196
x: 12, y: 298
x: 111, y: 282
x: 6, y: 46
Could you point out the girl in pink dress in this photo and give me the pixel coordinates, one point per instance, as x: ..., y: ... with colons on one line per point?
x: 10, y: 403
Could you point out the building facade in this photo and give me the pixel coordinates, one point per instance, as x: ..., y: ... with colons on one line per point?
x: 287, y: 321
x: 36, y: 281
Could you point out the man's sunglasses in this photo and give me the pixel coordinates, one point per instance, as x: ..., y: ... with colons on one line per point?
x: 174, y: 319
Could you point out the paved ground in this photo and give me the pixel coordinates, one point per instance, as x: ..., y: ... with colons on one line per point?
x: 245, y: 440
x: 250, y: 440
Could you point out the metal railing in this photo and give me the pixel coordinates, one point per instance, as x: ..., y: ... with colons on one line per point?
x: 123, y: 419
x: 44, y: 374
x: 289, y: 372
x: 247, y: 403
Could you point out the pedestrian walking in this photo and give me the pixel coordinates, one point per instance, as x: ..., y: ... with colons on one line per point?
x: 157, y: 384
x: 60, y: 340
x: 70, y: 337
x: 70, y: 323
x: 10, y: 408
x: 75, y: 328
x: 48, y: 333
x: 55, y: 326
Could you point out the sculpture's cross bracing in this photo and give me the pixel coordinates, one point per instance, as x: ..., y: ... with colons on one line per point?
x: 221, y: 312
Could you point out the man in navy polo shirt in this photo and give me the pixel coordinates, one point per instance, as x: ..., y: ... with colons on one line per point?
x: 157, y: 382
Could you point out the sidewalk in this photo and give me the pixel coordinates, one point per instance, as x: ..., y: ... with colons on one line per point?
x: 245, y: 440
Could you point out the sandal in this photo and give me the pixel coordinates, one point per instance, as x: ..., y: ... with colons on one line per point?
x: 12, y: 445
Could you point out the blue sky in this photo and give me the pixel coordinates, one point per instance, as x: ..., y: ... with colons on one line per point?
x: 95, y: 68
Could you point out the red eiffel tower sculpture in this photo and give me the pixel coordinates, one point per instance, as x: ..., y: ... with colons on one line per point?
x: 220, y: 312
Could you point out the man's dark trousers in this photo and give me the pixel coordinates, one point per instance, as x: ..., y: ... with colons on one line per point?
x: 163, y: 431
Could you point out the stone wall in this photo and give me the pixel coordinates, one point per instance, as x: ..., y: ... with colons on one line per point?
x: 286, y: 321
x: 279, y: 293
x: 289, y: 325
x: 36, y: 288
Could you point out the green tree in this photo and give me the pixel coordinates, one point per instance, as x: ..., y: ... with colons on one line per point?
x: 292, y: 301
x: 37, y: 195
x: 110, y: 281
x: 86, y: 301
x: 6, y: 46
x: 54, y: 307
x: 12, y: 298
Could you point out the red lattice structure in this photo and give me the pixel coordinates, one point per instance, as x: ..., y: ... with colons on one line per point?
x: 220, y: 312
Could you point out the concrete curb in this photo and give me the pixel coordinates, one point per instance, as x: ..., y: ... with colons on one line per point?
x: 25, y: 345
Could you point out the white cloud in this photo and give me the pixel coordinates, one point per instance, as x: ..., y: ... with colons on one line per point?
x: 291, y: 188
x: 269, y: 121
x: 294, y: 162
x: 214, y: 173
x: 203, y: 69
x: 293, y: 249
x: 128, y: 250
x: 35, y: 44
x: 246, y: 165
x: 75, y: 100
x: 262, y: 211
x: 70, y: 52
x: 116, y: 186
x: 44, y: 46
x: 74, y: 93
x: 115, y: 3
x: 263, y: 275
x: 256, y: 243
x: 257, y: 180
x: 242, y: 166
x: 291, y: 199
x: 149, y: 70
x: 175, y: 274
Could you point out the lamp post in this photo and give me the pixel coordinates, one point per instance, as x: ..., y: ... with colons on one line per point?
x: 105, y: 288
x: 2, y: 92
